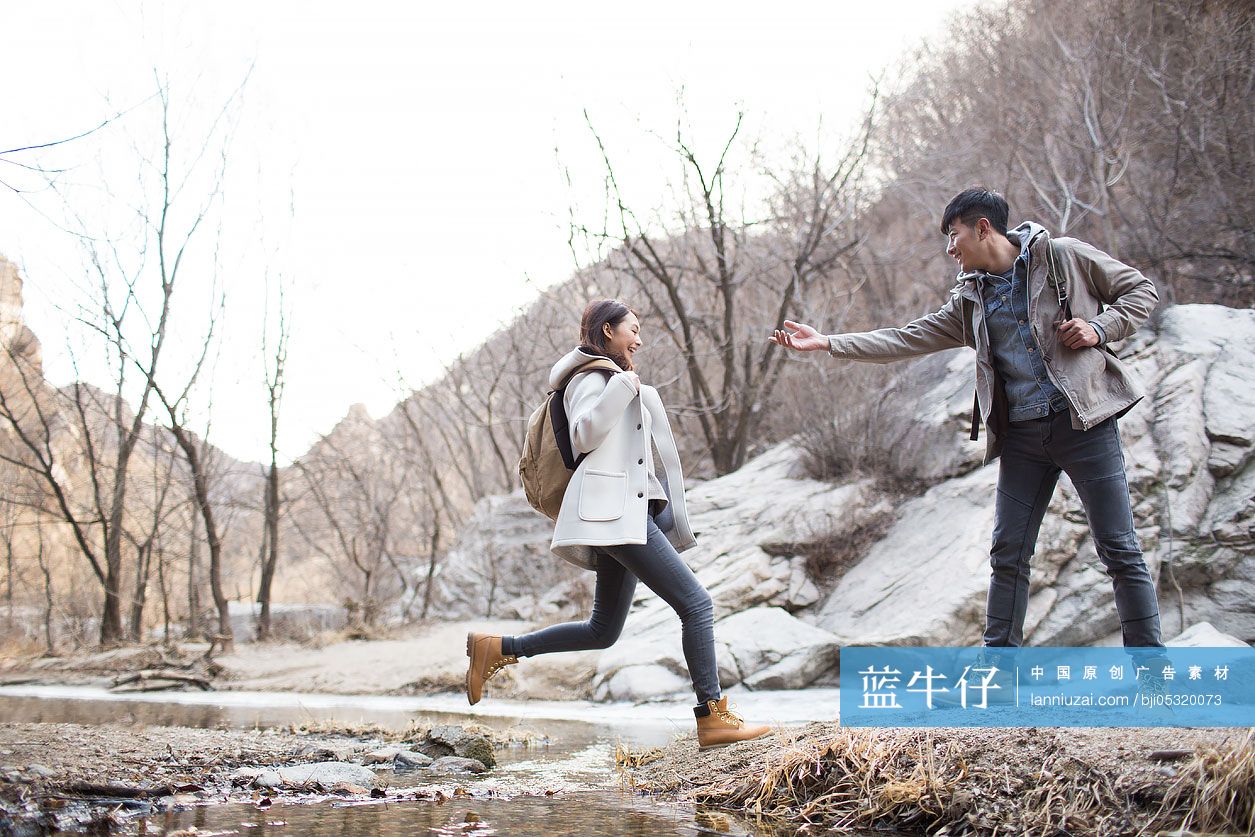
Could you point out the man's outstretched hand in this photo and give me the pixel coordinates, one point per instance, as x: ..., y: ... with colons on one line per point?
x: 799, y: 336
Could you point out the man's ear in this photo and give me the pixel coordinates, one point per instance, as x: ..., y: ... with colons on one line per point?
x: 983, y: 228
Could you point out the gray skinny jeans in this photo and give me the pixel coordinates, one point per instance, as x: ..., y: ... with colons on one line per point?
x: 656, y: 563
x: 1032, y: 457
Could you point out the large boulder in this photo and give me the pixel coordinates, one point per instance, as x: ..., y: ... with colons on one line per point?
x: 1204, y: 635
x: 924, y: 582
x: 761, y: 648
x: 501, y: 567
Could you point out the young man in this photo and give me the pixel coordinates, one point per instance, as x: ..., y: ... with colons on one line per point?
x: 1039, y: 313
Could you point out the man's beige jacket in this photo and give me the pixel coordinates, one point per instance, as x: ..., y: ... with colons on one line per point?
x: 1100, y: 289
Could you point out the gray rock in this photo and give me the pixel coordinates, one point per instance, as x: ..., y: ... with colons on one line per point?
x: 1204, y: 635
x: 505, y: 547
x: 640, y: 682
x: 456, y: 764
x: 268, y: 779
x: 41, y: 771
x: 451, y: 739
x: 325, y: 773
x: 782, y: 651
x: 408, y: 760
x: 383, y: 755
x: 895, y: 595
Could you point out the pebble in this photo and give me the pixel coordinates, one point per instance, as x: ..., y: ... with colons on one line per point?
x: 411, y: 759
x: 268, y: 779
x: 459, y: 764
x: 40, y: 771
x: 383, y: 754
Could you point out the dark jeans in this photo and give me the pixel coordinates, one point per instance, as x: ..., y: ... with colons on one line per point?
x: 618, y: 567
x: 1032, y: 457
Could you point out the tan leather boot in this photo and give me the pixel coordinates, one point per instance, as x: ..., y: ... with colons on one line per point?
x: 486, y: 659
x: 720, y: 726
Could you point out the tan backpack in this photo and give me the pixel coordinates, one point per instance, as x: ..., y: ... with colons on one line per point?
x: 548, y: 462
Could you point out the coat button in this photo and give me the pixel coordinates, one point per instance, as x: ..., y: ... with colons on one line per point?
x: 638, y: 427
x: 640, y: 494
x: 640, y: 462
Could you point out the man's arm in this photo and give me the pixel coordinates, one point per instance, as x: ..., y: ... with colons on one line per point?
x: 935, y: 332
x: 1129, y: 295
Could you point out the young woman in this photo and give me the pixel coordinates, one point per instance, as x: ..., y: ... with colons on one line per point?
x: 619, y: 520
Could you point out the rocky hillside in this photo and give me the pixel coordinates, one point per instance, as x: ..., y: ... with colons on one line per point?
x: 798, y: 567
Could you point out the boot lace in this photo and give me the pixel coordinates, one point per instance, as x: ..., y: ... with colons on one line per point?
x: 500, y: 664
x: 727, y: 715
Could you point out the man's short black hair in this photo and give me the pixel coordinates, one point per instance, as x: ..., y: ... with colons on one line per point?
x: 970, y: 205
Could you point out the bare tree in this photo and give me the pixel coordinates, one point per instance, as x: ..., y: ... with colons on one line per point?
x: 724, y: 278
x: 129, y: 313
x: 276, y: 363
x: 144, y: 540
x: 353, y: 493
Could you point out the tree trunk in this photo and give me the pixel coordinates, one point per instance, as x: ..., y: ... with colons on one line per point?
x: 43, y: 567
x: 270, y: 558
x: 432, y: 554
x: 9, y: 591
x: 193, y: 590
x: 200, y: 486
x: 111, y: 617
x: 141, y: 592
x: 165, y: 593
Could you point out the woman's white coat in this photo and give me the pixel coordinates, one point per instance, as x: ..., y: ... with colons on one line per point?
x: 606, y: 502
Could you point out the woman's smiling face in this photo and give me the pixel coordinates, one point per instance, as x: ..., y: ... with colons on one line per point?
x: 625, y: 338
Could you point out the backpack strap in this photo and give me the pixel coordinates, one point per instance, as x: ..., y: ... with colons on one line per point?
x: 557, y: 409
x: 599, y: 365
x: 1057, y: 281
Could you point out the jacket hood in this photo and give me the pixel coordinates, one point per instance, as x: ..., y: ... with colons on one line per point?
x: 571, y: 361
x: 1022, y: 236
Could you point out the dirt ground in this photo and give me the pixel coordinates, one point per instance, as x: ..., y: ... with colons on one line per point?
x: 423, y: 659
x: 93, y: 777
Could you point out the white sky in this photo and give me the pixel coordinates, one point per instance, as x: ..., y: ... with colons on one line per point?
x: 422, y: 147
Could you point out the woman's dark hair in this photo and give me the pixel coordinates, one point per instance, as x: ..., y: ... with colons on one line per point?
x: 601, y: 312
x: 970, y: 205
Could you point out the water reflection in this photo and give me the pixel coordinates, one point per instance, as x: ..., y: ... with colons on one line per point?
x: 578, y: 766
x: 608, y: 813
x: 88, y: 705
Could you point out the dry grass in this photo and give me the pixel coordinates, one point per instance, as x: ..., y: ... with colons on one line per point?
x: 1215, y: 792
x: 971, y: 781
x: 626, y: 757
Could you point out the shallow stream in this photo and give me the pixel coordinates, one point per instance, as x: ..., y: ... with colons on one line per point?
x: 567, y: 786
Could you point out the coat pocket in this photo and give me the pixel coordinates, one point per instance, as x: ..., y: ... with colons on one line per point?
x: 603, y: 495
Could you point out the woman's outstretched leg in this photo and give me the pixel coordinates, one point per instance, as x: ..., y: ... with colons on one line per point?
x: 612, y: 598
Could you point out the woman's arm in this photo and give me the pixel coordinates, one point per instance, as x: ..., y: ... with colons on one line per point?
x: 594, y: 406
